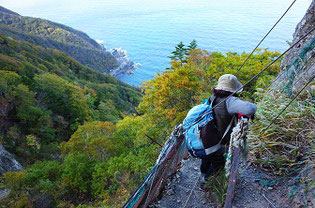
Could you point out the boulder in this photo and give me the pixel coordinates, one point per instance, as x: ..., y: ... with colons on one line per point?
x: 125, y: 65
x: 8, y: 162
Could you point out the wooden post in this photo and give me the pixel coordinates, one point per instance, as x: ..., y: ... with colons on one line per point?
x: 233, y: 177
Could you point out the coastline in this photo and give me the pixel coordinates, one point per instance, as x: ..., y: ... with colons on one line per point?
x: 125, y: 65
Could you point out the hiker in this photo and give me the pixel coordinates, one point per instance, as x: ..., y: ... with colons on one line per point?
x: 225, y: 114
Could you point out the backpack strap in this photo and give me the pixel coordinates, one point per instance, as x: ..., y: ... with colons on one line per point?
x: 216, y: 147
x: 211, y: 99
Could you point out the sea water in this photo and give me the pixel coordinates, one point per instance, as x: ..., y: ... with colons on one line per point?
x: 150, y: 29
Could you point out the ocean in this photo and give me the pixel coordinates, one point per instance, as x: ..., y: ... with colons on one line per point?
x: 150, y: 30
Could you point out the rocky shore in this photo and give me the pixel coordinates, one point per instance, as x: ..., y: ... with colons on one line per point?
x: 125, y: 65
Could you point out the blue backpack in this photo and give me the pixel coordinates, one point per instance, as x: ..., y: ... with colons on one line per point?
x: 201, y: 134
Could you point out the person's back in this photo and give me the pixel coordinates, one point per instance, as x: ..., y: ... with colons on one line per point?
x: 226, y: 109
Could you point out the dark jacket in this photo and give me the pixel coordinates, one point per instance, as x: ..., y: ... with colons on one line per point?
x: 225, y: 111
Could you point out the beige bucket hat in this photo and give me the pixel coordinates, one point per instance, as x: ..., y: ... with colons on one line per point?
x: 229, y: 82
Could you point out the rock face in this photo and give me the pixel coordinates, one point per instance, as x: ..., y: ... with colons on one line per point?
x: 125, y: 65
x: 298, y: 66
x: 7, y: 162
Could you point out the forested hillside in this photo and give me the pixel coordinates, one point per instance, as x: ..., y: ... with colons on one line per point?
x: 103, y: 162
x: 53, y: 35
x: 46, y: 95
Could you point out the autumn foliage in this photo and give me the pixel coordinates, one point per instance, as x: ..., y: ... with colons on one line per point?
x: 104, y: 161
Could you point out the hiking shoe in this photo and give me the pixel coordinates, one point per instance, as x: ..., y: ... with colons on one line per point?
x: 210, y: 171
x: 213, y: 168
x: 202, y: 186
x: 203, y: 182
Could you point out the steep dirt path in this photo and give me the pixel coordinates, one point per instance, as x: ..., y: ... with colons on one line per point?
x: 255, y: 188
x: 179, y: 188
x: 258, y: 188
x: 250, y: 191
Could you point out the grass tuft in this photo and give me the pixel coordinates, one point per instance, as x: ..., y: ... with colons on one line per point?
x: 289, y: 142
x: 217, y: 185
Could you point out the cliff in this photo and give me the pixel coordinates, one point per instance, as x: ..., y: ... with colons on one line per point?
x: 125, y: 65
x: 299, y: 63
x: 47, y: 29
x: 103, y: 162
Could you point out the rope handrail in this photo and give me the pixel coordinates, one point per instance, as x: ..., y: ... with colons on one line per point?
x: 152, y: 174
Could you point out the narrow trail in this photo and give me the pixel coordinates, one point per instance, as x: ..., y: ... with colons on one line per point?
x: 255, y: 188
x: 179, y: 188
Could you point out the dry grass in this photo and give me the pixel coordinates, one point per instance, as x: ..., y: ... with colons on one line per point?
x: 289, y: 142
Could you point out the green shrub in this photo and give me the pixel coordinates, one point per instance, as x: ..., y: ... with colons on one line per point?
x: 77, y: 173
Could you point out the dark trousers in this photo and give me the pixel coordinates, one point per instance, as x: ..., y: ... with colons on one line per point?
x: 212, y: 162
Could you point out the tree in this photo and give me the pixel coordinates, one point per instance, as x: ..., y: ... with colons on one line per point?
x: 94, y: 139
x: 192, y: 45
x: 77, y: 173
x: 64, y: 98
x: 179, y: 53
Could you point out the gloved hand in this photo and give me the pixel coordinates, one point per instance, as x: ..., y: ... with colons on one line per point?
x: 246, y: 116
x: 242, y: 115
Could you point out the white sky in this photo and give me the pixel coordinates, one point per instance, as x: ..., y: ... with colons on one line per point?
x: 26, y: 5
